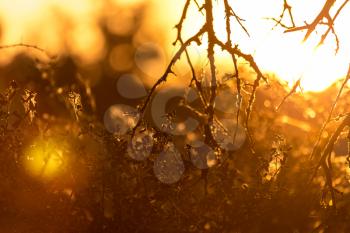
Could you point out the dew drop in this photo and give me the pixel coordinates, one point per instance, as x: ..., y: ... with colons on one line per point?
x: 169, y: 167
x: 119, y: 119
x: 140, y: 146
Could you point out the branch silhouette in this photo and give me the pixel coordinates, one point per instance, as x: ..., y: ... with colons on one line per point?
x: 213, y: 41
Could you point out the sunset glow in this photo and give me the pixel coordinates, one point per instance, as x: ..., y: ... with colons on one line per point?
x: 276, y: 52
x: 284, y: 54
x: 43, y: 159
x: 174, y: 116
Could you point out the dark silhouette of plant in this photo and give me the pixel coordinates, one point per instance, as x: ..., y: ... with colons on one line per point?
x: 265, y: 185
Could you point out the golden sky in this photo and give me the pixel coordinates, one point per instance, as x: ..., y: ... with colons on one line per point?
x: 72, y: 26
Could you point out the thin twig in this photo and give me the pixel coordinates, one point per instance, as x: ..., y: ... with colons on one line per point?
x: 314, y: 150
x: 27, y: 46
x: 195, y: 38
x: 292, y: 91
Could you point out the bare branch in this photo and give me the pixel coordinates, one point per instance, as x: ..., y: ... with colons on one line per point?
x: 27, y: 46
x: 179, y: 38
x: 314, y: 150
x: 323, y: 14
x: 195, y: 38
x: 211, y: 43
x: 286, y: 8
x: 292, y: 91
x: 331, y: 28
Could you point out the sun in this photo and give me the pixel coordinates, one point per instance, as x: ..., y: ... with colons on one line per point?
x: 44, y: 159
x: 290, y: 60
x: 284, y: 54
x: 279, y: 53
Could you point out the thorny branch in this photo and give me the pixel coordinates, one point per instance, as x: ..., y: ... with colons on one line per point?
x: 286, y: 8
x: 291, y: 92
x: 331, y: 28
x: 213, y: 41
x: 236, y: 53
x: 315, y: 149
x: 260, y: 76
x: 323, y: 14
x: 179, y: 39
x: 195, y: 38
x: 228, y: 14
x: 34, y: 47
x: 325, y: 156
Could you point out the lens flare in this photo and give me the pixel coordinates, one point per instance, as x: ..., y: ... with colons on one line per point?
x: 44, y: 159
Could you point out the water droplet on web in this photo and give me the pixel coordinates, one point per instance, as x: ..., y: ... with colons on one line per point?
x: 140, y: 146
x: 169, y: 167
x: 226, y: 102
x: 166, y: 114
x: 202, y: 156
x: 228, y: 135
x: 119, y: 119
